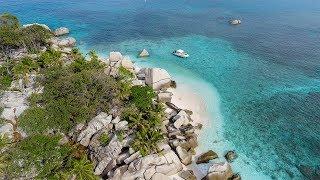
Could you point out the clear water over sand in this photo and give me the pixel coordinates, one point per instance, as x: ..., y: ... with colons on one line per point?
x: 264, y: 74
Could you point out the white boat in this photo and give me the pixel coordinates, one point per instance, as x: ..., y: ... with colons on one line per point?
x: 235, y: 21
x: 180, y: 53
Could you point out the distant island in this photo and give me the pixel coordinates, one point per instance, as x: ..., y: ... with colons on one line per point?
x: 65, y: 115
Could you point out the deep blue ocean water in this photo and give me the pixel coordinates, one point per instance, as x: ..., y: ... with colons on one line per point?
x: 266, y: 71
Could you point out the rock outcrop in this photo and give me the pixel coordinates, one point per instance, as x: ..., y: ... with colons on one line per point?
x: 63, y: 42
x: 219, y: 171
x: 184, y: 156
x: 230, y: 156
x: 106, y: 156
x: 165, y: 96
x: 96, y: 124
x: 144, y: 53
x: 206, y: 157
x: 157, y: 78
x: 61, y: 31
x: 7, y: 130
x: 187, y: 175
x: 127, y: 63
x: 114, y: 63
x: 153, y: 166
x: 14, y: 103
x: 182, y: 118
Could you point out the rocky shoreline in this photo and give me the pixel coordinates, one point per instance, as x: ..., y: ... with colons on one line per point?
x: 117, y: 160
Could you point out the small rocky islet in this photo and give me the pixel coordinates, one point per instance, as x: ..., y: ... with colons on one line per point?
x: 109, y: 139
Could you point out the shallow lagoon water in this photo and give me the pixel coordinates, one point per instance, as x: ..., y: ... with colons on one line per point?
x: 260, y: 80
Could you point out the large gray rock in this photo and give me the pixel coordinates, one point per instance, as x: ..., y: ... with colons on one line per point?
x: 206, y: 157
x: 188, y: 175
x: 182, y: 118
x: 166, y: 163
x: 144, y: 53
x: 61, y: 31
x: 157, y: 78
x: 14, y: 103
x: 6, y: 130
x: 63, y: 42
x: 118, y: 173
x: 159, y: 176
x: 127, y: 63
x: 185, y: 157
x: 114, y: 63
x: 116, y: 120
x: 115, y: 56
x: 137, y: 82
x: 107, y: 156
x: 165, y: 96
x: 230, y: 156
x: 219, y: 171
x: 96, y: 124
x: 122, y: 125
x: 132, y: 157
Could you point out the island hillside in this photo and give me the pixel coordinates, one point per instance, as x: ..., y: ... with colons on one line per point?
x: 65, y: 115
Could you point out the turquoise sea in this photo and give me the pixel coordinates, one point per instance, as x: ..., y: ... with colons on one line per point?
x: 264, y: 74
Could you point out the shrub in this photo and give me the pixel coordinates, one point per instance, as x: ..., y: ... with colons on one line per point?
x: 83, y: 169
x: 80, y: 169
x: 9, y: 31
x: 3, y: 141
x: 146, y: 139
x: 142, y: 96
x: 5, y: 75
x: 104, y: 139
x: 125, y: 73
x: 25, y: 66
x: 78, y: 97
x: 80, y: 64
x: 146, y: 124
x: 33, y: 37
x: 12, y: 36
x: 34, y: 120
x: 37, y: 151
x: 120, y: 135
x: 35, y: 99
x: 49, y: 58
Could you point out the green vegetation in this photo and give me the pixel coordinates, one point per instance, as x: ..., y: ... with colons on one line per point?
x: 125, y: 74
x: 5, y: 75
x: 120, y: 135
x: 80, y: 169
x: 25, y: 66
x: 13, y: 36
x: 39, y: 151
x: 104, y: 139
x: 73, y: 94
x: 142, y: 96
x: 34, y: 120
x: 51, y: 160
x: 145, y: 118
